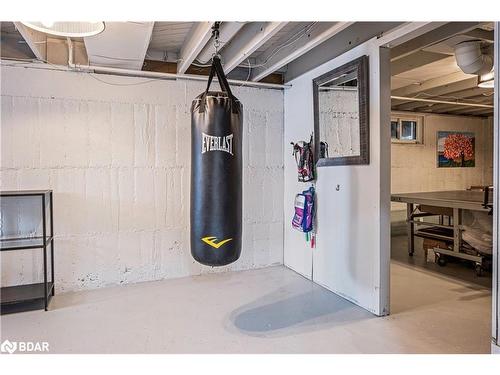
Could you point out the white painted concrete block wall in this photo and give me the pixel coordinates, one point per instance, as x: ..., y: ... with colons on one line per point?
x: 414, y: 166
x: 117, y: 156
x: 339, y: 112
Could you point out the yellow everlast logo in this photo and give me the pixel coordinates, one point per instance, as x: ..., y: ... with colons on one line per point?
x: 212, y: 241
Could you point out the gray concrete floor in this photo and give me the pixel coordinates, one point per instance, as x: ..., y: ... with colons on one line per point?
x: 271, y: 310
x: 455, y: 268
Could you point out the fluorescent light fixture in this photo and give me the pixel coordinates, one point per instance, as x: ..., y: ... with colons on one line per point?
x: 67, y: 29
x: 487, y: 81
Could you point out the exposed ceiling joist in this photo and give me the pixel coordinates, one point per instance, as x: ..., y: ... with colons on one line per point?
x: 197, y: 39
x: 345, y: 40
x: 250, y: 38
x: 415, y: 61
x: 239, y: 73
x: 443, y: 107
x: 227, y: 31
x: 396, y: 105
x: 406, y: 31
x: 475, y: 94
x: 475, y: 111
x: 469, y: 93
x: 465, y: 104
x: 273, y: 59
x: 435, y: 36
x: 36, y: 40
x: 408, y: 105
x: 481, y: 34
x: 15, y: 47
x: 438, y: 108
x: 457, y: 81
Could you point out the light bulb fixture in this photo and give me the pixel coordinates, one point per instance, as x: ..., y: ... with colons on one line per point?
x: 486, y: 81
x: 67, y: 29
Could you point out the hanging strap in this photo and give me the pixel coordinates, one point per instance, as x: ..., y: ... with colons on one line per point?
x: 224, y: 84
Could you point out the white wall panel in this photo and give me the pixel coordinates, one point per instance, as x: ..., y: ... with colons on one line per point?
x: 351, y: 257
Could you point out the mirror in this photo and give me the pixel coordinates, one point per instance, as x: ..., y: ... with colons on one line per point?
x: 341, y: 128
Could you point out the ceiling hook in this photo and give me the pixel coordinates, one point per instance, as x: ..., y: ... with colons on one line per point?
x: 215, y: 34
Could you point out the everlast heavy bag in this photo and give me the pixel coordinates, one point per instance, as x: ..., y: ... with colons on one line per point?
x: 216, y: 164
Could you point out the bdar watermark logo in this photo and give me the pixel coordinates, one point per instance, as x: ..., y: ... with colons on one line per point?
x: 8, y: 347
x: 12, y: 347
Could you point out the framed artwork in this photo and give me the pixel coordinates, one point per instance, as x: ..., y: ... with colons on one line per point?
x: 455, y: 149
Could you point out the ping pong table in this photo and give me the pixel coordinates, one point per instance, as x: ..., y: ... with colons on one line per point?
x: 448, y: 204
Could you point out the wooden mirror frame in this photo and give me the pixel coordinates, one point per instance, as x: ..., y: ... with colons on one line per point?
x: 361, y: 65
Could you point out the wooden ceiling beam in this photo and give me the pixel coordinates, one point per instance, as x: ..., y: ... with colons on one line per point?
x: 271, y: 60
x: 344, y: 41
x: 171, y: 67
x: 432, y: 37
x: 252, y: 36
x: 409, y: 106
x: 462, y: 111
x: 475, y: 94
x: 415, y: 61
x: 486, y: 35
x: 453, y: 82
x: 197, y: 38
x: 36, y: 40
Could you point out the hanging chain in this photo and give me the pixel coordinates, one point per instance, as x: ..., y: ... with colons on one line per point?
x: 215, y: 34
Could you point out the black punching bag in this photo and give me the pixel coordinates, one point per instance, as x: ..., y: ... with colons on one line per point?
x: 216, y: 164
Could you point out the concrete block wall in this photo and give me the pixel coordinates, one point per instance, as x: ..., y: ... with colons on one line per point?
x: 414, y: 166
x: 116, y: 152
x: 339, y: 112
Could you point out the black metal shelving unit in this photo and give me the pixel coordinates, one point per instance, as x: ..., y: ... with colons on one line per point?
x: 31, y: 296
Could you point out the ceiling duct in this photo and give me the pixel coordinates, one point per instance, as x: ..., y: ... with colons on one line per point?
x: 471, y: 59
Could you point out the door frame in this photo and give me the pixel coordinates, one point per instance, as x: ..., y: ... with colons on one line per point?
x: 495, y: 344
x: 412, y: 30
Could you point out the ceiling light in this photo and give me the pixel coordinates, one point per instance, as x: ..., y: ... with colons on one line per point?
x: 47, y: 24
x: 486, y: 81
x: 67, y: 29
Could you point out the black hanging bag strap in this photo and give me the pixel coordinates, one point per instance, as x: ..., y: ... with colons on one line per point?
x: 224, y: 84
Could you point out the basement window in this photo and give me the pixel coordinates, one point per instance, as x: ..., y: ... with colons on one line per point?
x: 406, y: 129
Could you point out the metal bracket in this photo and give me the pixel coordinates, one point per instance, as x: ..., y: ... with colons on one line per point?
x: 215, y: 35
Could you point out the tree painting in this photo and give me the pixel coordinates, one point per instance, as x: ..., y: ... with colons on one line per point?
x: 456, y: 149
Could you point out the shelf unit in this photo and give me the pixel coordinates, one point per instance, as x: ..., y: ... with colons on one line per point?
x: 36, y: 296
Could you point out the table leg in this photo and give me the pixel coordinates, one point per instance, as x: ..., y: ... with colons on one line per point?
x: 457, y: 236
x: 410, y: 229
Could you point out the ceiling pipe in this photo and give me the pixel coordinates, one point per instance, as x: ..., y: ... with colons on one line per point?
x: 405, y: 98
x: 133, y: 73
x: 227, y: 31
x: 146, y: 74
x: 166, y: 76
